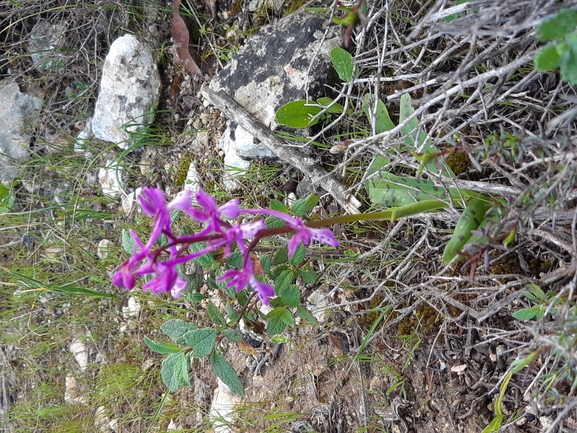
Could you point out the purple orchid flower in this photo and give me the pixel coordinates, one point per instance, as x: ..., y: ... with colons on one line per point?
x: 240, y: 278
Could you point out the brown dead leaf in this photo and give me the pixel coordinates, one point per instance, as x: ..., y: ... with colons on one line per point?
x: 181, y: 38
x: 246, y: 348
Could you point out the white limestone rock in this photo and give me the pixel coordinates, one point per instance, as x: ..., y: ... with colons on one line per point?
x: 129, y: 89
x: 46, y: 43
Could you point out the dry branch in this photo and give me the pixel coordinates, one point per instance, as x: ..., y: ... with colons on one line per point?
x: 308, y: 165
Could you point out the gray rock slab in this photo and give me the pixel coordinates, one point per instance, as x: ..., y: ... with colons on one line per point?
x: 45, y: 45
x: 18, y: 111
x: 282, y: 63
x: 129, y: 89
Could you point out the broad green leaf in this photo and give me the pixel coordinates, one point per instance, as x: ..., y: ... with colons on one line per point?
x: 569, y: 66
x: 312, y: 200
x: 174, y: 371
x: 471, y: 219
x: 290, y: 296
x: 305, y: 314
x: 547, y: 59
x: 272, y: 222
x: 232, y: 334
x: 266, y: 263
x: 299, y: 207
x: 235, y: 260
x: 215, y: 315
x: 298, y: 256
x: 278, y: 319
x: 536, y: 291
x: 298, y: 114
x: 281, y: 256
x: 127, y: 242
x: 284, y: 279
x: 194, y: 296
x: 381, y: 117
x: 527, y: 313
x: 308, y: 275
x: 201, y: 340
x: 558, y: 26
x: 343, y: 63
x: 279, y: 206
x: 4, y: 192
x: 336, y: 108
x: 162, y: 348
x: 176, y: 328
x: 206, y: 261
x: 226, y: 373
x: 392, y: 190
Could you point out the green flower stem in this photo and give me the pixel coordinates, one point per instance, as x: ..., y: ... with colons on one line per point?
x: 391, y: 214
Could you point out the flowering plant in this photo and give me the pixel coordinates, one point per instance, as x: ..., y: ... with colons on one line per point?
x: 160, y: 258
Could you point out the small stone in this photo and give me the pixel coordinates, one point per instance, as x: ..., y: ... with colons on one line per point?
x: 46, y: 41
x: 132, y: 309
x: 72, y: 391
x: 103, y: 248
x: 111, y: 179
x: 80, y: 352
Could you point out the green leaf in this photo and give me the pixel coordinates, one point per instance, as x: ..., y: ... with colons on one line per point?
x: 226, y: 373
x: 275, y: 325
x: 162, y: 348
x: 298, y: 114
x: 381, y: 117
x: 392, y: 190
x: 206, y: 261
x: 558, y: 26
x: 312, y: 200
x: 266, y: 263
x: 4, y: 192
x: 520, y: 364
x: 235, y: 260
x: 525, y: 314
x: 279, y: 206
x: 201, y: 340
x: 569, y: 66
x: 494, y: 425
x: 336, y: 108
x: 305, y: 314
x: 290, y: 296
x: 194, y: 296
x: 299, y: 255
x: 274, y: 222
x: 215, y: 315
x: 471, y: 219
x: 127, y: 242
x: 284, y: 279
x: 233, y: 335
x: 547, y: 59
x: 176, y: 328
x: 308, y: 275
x: 536, y: 292
x: 299, y: 207
x: 281, y: 256
x: 174, y: 371
x: 193, y: 281
x: 343, y: 63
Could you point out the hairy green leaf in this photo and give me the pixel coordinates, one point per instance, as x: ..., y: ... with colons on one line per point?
x: 547, y: 59
x: 176, y: 328
x: 226, y: 373
x: 201, y: 340
x: 298, y: 256
x: 162, y: 348
x: 299, y: 207
x: 305, y: 314
x: 174, y: 371
x: 308, y: 275
x: 557, y: 27
x: 215, y: 315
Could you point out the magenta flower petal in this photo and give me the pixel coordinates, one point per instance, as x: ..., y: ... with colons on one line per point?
x: 152, y: 200
x: 231, y: 210
x: 124, y: 277
x: 263, y: 290
x: 182, y: 201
